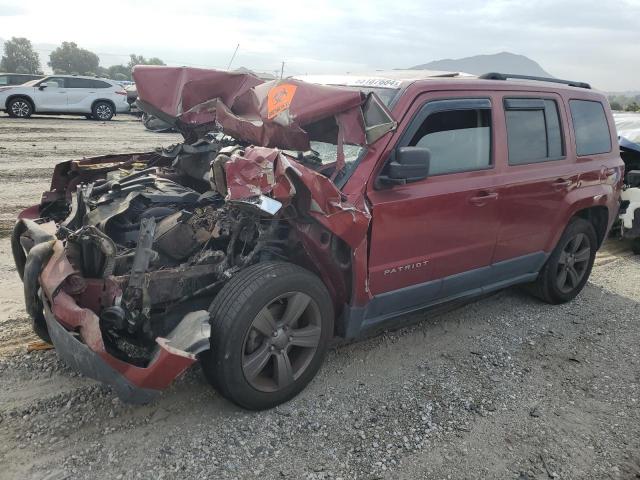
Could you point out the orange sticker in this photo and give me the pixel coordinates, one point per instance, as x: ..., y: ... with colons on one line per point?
x: 279, y: 99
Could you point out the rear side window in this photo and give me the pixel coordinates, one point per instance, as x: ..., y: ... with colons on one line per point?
x: 533, y: 130
x: 591, y: 127
x: 79, y: 83
x: 4, y: 79
x: 100, y: 84
x: 459, y: 140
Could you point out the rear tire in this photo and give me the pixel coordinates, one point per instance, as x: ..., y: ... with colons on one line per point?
x: 19, y: 107
x: 567, y: 270
x: 102, y: 111
x: 270, y: 328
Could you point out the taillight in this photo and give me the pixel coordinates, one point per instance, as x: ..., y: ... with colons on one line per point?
x: 120, y: 92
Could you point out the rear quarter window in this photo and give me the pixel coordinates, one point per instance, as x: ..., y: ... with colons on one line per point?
x: 590, y: 126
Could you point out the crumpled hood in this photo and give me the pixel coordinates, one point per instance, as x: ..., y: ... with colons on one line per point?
x: 286, y: 114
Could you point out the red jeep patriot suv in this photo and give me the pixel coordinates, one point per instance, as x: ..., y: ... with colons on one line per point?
x: 303, y: 209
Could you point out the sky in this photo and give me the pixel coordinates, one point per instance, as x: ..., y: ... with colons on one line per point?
x: 593, y: 41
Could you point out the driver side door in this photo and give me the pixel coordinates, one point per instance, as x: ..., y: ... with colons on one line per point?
x: 434, y: 238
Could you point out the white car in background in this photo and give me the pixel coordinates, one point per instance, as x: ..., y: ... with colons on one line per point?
x: 96, y: 98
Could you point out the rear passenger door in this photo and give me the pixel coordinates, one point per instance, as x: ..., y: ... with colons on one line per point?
x: 536, y: 179
x: 82, y: 91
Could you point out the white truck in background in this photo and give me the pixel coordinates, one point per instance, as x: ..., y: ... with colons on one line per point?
x: 628, y: 126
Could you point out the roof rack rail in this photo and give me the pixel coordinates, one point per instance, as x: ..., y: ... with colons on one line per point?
x: 506, y: 76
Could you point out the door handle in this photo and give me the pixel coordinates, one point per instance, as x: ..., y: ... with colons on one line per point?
x: 483, y: 198
x: 561, y: 184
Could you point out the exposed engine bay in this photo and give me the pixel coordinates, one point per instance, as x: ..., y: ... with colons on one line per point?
x: 162, y: 240
x: 125, y: 253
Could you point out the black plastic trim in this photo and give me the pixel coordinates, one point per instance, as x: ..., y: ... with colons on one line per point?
x: 386, y: 306
x: 507, y: 76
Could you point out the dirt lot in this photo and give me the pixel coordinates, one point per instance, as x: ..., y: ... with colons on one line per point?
x: 506, y: 387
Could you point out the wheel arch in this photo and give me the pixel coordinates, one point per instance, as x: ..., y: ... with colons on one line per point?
x: 20, y: 95
x: 106, y: 100
x: 598, y: 216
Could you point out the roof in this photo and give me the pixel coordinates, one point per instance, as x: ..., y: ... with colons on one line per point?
x: 70, y: 75
x: 400, y: 79
x: 391, y: 79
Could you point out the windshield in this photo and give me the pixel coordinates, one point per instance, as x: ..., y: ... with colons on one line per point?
x: 386, y: 95
x: 328, y: 153
x: 325, y: 153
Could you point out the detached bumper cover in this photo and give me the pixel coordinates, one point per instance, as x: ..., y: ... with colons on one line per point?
x: 82, y: 359
x: 75, y: 332
x: 85, y: 351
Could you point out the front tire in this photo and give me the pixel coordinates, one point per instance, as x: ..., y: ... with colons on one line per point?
x: 19, y: 108
x: 270, y: 328
x: 568, y: 268
x: 39, y: 325
x: 103, y: 111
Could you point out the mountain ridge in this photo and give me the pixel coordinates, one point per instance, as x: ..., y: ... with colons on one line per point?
x: 505, y: 62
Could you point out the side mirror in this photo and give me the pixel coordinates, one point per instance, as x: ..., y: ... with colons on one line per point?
x: 48, y: 85
x: 409, y: 164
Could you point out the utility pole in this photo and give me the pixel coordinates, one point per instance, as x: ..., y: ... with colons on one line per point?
x: 233, y: 56
x: 282, y: 70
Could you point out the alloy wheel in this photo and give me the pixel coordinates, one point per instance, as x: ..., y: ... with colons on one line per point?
x: 103, y: 112
x: 573, y: 262
x: 20, y: 108
x: 281, y: 342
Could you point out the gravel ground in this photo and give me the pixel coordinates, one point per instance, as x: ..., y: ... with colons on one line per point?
x: 505, y: 387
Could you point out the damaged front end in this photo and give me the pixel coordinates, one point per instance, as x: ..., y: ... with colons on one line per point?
x: 125, y: 253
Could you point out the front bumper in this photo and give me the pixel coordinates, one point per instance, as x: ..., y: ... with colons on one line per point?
x: 76, y: 335
x: 82, y: 359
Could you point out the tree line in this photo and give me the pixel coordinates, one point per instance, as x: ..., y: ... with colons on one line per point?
x: 20, y: 57
x: 627, y: 103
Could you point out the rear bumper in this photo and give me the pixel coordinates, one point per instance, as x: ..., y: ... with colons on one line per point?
x: 76, y: 334
x: 123, y: 108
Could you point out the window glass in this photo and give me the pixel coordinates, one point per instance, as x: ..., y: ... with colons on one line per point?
x: 100, y: 84
x: 533, y: 131
x: 459, y: 140
x: 58, y: 80
x: 590, y: 125
x: 4, y: 79
x: 553, y: 129
x: 79, y: 83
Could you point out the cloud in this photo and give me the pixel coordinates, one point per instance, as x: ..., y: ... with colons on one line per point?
x: 587, y: 40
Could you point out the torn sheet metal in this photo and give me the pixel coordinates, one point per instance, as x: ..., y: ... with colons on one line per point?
x: 260, y: 170
x: 286, y: 113
x: 173, y: 91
